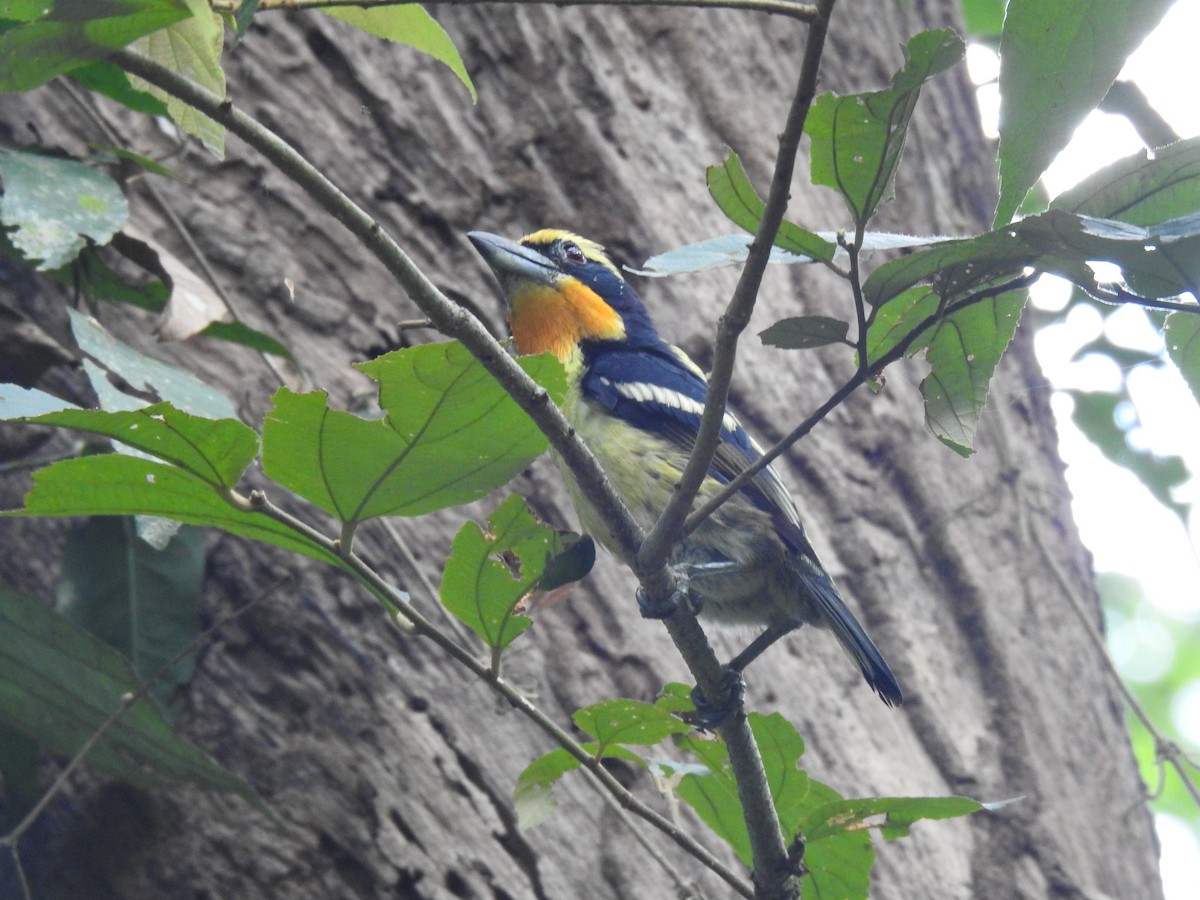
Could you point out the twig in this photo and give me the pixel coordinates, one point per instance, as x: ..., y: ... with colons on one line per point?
x: 802, y: 11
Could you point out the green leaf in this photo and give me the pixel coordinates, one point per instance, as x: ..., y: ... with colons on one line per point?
x: 68, y: 33
x: 217, y: 451
x: 983, y: 18
x: 963, y: 353
x: 628, y: 722
x: 1057, y: 61
x: 20, y: 760
x: 110, y: 80
x: 894, y: 321
x: 142, y: 602
x: 714, y: 796
x: 1182, y: 334
x: 120, y: 485
x: 1140, y: 190
x: 411, y: 25
x: 481, y: 590
x: 572, y: 563
x: 191, y: 48
x: 144, y: 373
x: 56, y: 205
x: 730, y: 188
x: 245, y: 14
x: 59, y: 684
x: 857, y: 139
x: 805, y: 332
x: 839, y: 864
x: 241, y: 333
x: 533, y: 795
x: 451, y: 435
x: 894, y: 814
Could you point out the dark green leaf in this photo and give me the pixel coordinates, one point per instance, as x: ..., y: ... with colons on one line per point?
x: 107, y: 79
x: 69, y: 33
x: 408, y: 24
x: 857, y: 139
x: 119, y: 485
x: 59, y: 684
x: 805, y: 332
x: 245, y: 13
x: 570, y: 564
x: 56, y: 205
x: 140, y: 601
x: 730, y: 187
x: 963, y: 353
x: 240, y: 333
x: 628, y: 722
x: 20, y: 759
x: 217, y: 451
x: 483, y: 591
x: 1057, y: 61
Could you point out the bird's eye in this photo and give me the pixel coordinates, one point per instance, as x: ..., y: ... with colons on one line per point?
x: 573, y: 254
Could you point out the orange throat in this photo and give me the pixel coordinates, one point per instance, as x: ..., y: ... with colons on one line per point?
x: 555, y: 320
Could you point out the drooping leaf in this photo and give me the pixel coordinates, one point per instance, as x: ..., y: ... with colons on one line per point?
x: 963, y: 353
x: 1057, y: 61
x: 857, y: 139
x: 181, y: 389
x: 730, y: 187
x: 18, y: 402
x: 119, y: 485
x: 193, y: 303
x: 191, y: 48
x: 142, y: 602
x: 1182, y: 334
x: 408, y: 24
x: 59, y: 684
x: 217, y: 451
x: 805, y: 332
x: 623, y: 721
x: 533, y: 796
x: 1138, y: 189
x: 64, y: 34
x: 483, y: 591
x: 56, y: 205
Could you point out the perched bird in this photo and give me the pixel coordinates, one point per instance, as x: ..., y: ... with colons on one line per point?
x: 636, y: 401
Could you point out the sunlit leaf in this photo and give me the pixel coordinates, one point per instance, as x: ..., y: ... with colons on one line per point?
x: 411, y: 25
x: 1139, y: 189
x: 1057, y: 61
x: 894, y: 321
x: 217, y: 451
x: 119, y: 485
x: 857, y: 139
x: 56, y: 205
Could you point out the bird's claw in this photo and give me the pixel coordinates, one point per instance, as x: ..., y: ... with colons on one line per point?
x: 711, y: 715
x: 665, y: 608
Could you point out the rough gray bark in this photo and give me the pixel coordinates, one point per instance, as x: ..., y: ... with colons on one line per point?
x: 390, y: 770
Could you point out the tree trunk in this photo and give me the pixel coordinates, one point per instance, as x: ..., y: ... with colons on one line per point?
x: 390, y: 770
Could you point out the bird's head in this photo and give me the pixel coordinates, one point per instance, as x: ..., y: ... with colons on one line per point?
x: 563, y: 292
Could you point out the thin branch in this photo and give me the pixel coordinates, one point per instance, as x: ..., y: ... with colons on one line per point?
x: 1120, y: 295
x: 803, y: 12
x: 423, y: 627
x: 859, y: 378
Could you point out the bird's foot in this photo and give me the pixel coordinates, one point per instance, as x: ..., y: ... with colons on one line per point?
x: 712, y: 714
x: 665, y: 608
